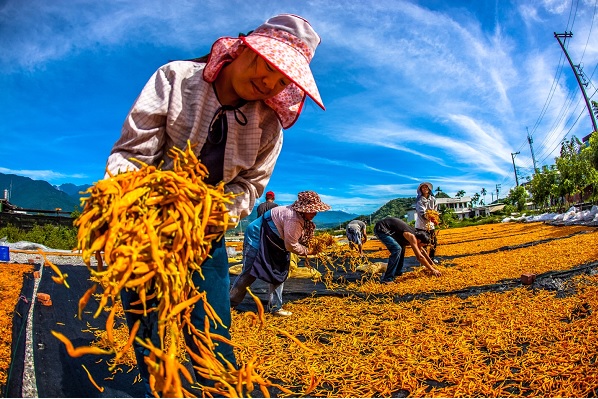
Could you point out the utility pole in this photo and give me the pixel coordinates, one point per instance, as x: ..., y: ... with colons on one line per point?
x: 514, y: 168
x: 531, y: 147
x: 575, y: 67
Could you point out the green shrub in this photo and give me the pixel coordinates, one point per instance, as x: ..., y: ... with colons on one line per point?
x: 55, y: 237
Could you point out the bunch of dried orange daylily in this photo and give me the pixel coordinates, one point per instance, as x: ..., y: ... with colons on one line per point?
x: 152, y: 227
x: 332, y: 256
x: 432, y: 216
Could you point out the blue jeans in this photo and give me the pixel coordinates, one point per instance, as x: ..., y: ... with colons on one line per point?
x: 148, y: 329
x: 396, y: 259
x: 216, y: 284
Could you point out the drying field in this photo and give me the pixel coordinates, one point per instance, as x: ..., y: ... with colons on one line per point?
x: 476, y: 331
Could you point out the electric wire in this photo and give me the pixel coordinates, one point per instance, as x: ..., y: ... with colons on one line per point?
x: 569, y: 131
x: 590, y: 32
x: 558, y: 126
x: 558, y: 72
x: 545, y: 144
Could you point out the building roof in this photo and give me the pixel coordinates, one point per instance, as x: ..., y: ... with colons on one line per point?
x: 453, y: 200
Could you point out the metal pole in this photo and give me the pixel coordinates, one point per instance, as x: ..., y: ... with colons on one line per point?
x: 581, y: 85
x: 531, y: 141
x: 514, y: 168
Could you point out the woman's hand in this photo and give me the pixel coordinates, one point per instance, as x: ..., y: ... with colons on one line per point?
x: 435, y: 272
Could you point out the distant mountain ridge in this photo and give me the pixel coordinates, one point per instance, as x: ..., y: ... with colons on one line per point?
x: 333, y: 218
x: 27, y: 193
x: 38, y: 194
x: 72, y: 190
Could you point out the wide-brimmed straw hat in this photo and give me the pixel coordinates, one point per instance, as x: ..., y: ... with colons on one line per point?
x: 425, y: 183
x: 286, y: 41
x: 309, y: 202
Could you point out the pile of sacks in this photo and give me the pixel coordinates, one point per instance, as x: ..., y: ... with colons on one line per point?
x: 572, y: 217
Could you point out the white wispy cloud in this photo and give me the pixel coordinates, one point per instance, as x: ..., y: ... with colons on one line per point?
x: 348, y: 164
x: 47, y: 175
x: 444, y: 92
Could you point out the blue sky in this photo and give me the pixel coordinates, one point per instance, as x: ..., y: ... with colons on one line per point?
x: 438, y: 91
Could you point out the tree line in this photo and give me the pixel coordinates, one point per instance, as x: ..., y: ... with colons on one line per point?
x: 572, y: 179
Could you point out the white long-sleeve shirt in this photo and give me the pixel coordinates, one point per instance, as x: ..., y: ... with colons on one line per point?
x: 421, y: 206
x: 177, y: 105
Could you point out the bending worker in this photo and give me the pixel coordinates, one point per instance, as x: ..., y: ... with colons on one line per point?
x: 269, y: 241
x: 232, y: 105
x: 395, y: 234
x: 356, y: 234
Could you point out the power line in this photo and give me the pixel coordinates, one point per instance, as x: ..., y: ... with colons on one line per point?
x: 556, y: 78
x: 551, y: 92
x: 566, y: 134
x: 555, y: 131
x: 567, y: 105
x: 590, y: 32
x: 574, y: 14
x: 581, y: 85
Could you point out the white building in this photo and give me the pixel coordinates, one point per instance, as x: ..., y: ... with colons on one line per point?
x: 461, y: 206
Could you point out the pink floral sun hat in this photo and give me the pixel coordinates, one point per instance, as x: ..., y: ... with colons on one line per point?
x: 309, y: 202
x: 286, y: 41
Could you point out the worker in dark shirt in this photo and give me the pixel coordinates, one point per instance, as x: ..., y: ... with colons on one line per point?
x: 266, y: 206
x: 395, y: 234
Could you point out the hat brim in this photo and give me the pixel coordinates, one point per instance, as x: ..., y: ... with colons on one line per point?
x: 287, y: 104
x: 430, y: 186
x: 311, y: 208
x: 288, y: 61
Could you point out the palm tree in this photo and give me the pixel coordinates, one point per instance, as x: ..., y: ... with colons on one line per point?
x: 483, y: 192
x: 460, y: 193
x: 438, y: 190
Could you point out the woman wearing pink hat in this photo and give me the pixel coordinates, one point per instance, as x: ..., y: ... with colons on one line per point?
x: 268, y: 244
x: 232, y: 105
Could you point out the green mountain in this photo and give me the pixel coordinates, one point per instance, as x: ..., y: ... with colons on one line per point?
x: 73, y: 191
x: 395, y: 208
x: 38, y: 194
x: 333, y: 219
x: 35, y: 194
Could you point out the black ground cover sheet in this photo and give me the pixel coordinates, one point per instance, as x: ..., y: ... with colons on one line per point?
x: 57, y: 373
x: 60, y: 375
